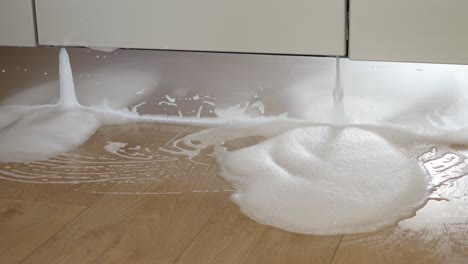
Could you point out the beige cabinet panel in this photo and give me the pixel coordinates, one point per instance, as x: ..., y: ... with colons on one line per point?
x: 409, y: 30
x: 262, y: 26
x: 17, y: 26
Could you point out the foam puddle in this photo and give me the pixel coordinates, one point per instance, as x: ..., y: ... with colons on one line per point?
x: 325, y: 180
x: 304, y: 177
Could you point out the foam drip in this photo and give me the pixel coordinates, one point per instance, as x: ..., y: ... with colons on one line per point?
x: 67, y: 86
x: 338, y: 107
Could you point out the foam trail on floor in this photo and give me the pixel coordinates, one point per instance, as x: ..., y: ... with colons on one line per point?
x: 305, y: 176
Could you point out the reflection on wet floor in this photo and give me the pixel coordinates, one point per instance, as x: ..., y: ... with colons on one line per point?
x: 103, y: 162
x: 135, y: 173
x: 132, y: 160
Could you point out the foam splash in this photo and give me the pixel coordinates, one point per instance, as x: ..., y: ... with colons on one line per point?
x: 40, y: 132
x: 307, y: 177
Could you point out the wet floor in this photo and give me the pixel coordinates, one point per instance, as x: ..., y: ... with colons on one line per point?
x: 126, y: 197
x: 121, y: 198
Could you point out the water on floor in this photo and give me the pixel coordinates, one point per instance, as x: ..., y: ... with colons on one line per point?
x: 396, y: 150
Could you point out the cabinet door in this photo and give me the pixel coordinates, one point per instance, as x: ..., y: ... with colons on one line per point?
x: 260, y: 26
x: 409, y: 30
x: 17, y: 26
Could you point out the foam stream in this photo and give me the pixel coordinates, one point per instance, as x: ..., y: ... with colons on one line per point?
x: 302, y: 176
x: 338, y: 117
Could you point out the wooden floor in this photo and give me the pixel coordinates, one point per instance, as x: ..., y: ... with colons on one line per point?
x: 94, y: 206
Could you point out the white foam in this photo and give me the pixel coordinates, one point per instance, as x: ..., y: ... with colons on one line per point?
x: 142, y: 91
x: 40, y: 132
x: 170, y: 99
x: 67, y: 86
x: 135, y: 108
x: 167, y: 103
x: 259, y: 106
x: 43, y: 132
x: 324, y: 180
x: 306, y: 177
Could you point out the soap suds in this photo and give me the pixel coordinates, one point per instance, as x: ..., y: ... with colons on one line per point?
x: 305, y: 176
x: 40, y: 132
x: 140, y: 92
x: 135, y: 108
x: 170, y: 99
x: 259, y: 106
x: 324, y: 180
x: 43, y: 132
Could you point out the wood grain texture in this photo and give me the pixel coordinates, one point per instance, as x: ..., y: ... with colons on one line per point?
x: 231, y: 237
x: 147, y: 222
x: 24, y: 226
x: 437, y: 234
x: 135, y: 229
x: 172, y: 209
x: 83, y: 162
x: 49, y: 193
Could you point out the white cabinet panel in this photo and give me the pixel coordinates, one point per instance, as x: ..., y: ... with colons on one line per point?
x: 17, y: 23
x: 409, y: 30
x: 264, y: 26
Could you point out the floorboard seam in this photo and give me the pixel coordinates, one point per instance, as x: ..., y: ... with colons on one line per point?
x: 60, y: 230
x: 42, y: 202
x: 336, y: 250
x: 201, y: 230
x: 176, y: 136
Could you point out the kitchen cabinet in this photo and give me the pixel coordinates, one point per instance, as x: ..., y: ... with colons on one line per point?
x: 312, y: 27
x: 432, y: 31
x: 17, y: 23
x: 409, y: 30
